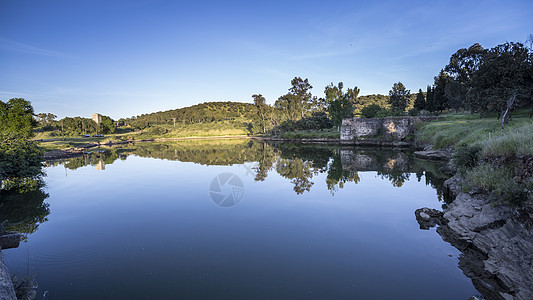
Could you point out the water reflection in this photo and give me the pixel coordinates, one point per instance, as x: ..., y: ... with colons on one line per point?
x: 297, y: 163
x: 127, y: 226
x: 23, y: 212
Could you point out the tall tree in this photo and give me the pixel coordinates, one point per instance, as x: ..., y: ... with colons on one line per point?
x: 462, y: 66
x: 340, y: 104
x: 420, y: 101
x: 260, y: 103
x: 439, y: 94
x: 300, y: 89
x: 399, y: 96
x: 20, y: 159
x: 504, y: 80
x: 430, y: 99
x: 16, y: 118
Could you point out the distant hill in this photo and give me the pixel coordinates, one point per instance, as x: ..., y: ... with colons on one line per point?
x: 207, y: 112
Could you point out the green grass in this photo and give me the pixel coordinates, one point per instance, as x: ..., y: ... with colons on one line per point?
x: 458, y: 129
x: 484, y: 168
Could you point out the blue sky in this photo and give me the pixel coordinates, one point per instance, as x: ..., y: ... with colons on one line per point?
x: 125, y: 58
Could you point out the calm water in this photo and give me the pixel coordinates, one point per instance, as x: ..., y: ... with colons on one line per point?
x: 235, y: 219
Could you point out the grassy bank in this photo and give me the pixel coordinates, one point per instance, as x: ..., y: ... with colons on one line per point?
x: 489, y: 159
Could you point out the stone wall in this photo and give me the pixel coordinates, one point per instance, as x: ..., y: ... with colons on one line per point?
x: 380, y: 130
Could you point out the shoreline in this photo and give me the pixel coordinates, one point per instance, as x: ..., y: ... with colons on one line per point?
x: 80, y: 150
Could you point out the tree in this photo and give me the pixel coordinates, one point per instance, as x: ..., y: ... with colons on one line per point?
x: 420, y: 102
x: 20, y: 159
x: 290, y: 106
x: 462, y: 66
x: 302, y: 97
x: 504, y: 80
x: 439, y: 96
x: 260, y: 103
x: 430, y: 99
x: 340, y: 104
x: 107, y: 125
x: 16, y: 118
x: 399, y: 96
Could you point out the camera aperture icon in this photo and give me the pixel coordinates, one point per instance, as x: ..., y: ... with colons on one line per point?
x: 226, y: 189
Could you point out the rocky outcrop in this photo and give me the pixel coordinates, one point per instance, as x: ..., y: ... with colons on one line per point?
x: 7, y: 292
x: 496, y: 243
x: 442, y: 154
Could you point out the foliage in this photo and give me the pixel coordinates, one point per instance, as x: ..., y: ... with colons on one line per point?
x: 208, y: 112
x: 370, y: 111
x: 20, y: 164
x: 499, y: 181
x: 16, y: 119
x: 465, y: 157
x: 420, y: 102
x: 340, y: 104
x: 399, y: 96
x: 44, y: 119
x: 262, y: 109
x: 20, y: 159
x: 413, y: 112
x: 317, y: 121
x: 505, y: 71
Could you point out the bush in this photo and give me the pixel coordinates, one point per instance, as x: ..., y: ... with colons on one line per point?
x: 317, y: 121
x: 466, y: 157
x: 370, y: 111
x: 414, y: 112
x: 156, y: 130
x: 499, y: 181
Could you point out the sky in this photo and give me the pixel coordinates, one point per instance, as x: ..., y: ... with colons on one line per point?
x: 126, y: 58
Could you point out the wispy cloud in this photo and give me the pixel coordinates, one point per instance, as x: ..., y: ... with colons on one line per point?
x: 27, y: 48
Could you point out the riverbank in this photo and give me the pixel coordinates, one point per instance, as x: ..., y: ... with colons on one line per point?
x: 491, y: 219
x: 495, y: 241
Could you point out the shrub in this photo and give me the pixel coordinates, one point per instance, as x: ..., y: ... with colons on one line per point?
x: 499, y: 181
x: 414, y: 112
x: 370, y: 111
x: 466, y: 157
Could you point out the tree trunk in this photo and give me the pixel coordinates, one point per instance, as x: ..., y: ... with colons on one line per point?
x: 507, y: 114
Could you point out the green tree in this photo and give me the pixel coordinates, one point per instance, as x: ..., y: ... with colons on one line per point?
x: 399, y: 96
x: 504, y: 80
x: 303, y: 99
x: 440, y: 101
x: 20, y: 159
x: 420, y: 102
x: 107, y: 125
x: 430, y: 99
x: 462, y: 66
x: 262, y: 107
x: 16, y: 118
x: 340, y: 104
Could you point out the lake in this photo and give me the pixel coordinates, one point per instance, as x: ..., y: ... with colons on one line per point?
x: 235, y: 219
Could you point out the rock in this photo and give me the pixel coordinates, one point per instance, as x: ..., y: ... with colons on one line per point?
x: 7, y: 292
x: 10, y: 240
x: 453, y: 185
x: 496, y: 245
x: 444, y: 154
x: 428, y: 217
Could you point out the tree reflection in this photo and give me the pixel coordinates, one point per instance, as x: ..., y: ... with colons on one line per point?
x: 299, y: 171
x: 299, y: 163
x: 23, y: 211
x: 338, y: 176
